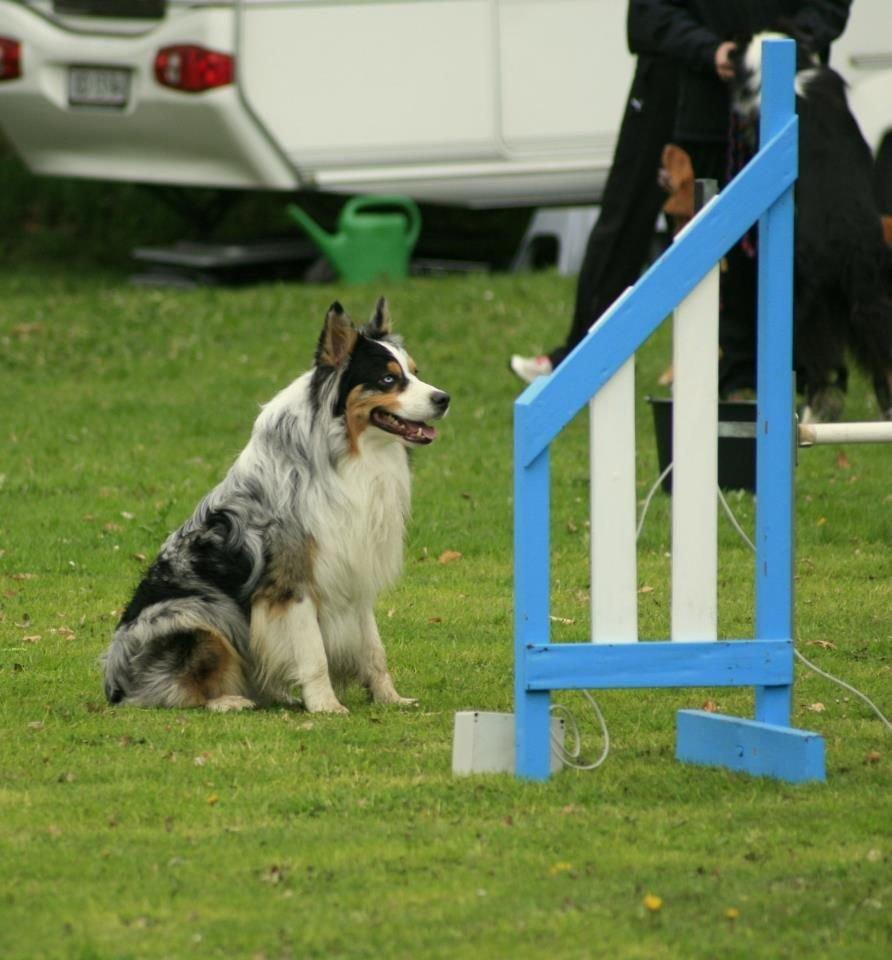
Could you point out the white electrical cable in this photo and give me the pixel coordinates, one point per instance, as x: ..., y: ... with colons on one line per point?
x: 648, y: 498
x: 805, y: 660
x: 847, y: 686
x: 734, y: 522
x: 569, y: 756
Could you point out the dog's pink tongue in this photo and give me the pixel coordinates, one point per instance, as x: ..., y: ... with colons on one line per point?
x: 421, y: 432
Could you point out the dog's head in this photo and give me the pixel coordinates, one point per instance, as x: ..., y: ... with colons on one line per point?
x: 378, y: 391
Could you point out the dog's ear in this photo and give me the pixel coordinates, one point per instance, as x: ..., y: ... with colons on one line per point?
x: 338, y: 338
x: 379, y: 323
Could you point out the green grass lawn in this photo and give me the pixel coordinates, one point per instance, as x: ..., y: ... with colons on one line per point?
x: 131, y: 834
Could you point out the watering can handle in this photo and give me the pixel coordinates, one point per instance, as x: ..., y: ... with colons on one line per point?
x: 408, y: 206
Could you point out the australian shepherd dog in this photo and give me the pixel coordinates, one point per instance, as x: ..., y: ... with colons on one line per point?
x: 843, y: 267
x: 268, y: 590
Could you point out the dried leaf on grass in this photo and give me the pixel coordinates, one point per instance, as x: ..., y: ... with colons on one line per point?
x: 449, y: 556
x: 22, y: 331
x: 275, y: 874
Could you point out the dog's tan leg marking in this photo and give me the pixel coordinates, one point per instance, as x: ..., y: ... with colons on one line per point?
x: 213, y: 674
x: 229, y: 704
x: 287, y: 644
x: 373, y: 668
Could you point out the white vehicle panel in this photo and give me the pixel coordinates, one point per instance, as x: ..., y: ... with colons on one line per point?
x: 480, y: 102
x: 387, y: 82
x: 158, y: 135
x: 863, y: 55
x: 559, y: 92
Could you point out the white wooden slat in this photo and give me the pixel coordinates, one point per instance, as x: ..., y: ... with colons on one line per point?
x: 695, y: 463
x: 614, y: 571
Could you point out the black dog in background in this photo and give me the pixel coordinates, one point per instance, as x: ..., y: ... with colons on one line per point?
x: 843, y: 278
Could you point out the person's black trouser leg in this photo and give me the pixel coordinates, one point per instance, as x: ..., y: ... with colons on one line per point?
x: 619, y: 242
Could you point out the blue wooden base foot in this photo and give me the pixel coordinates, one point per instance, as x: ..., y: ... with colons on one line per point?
x: 760, y: 749
x: 532, y: 735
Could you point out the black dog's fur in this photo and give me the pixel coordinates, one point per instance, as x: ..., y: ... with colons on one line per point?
x: 843, y: 267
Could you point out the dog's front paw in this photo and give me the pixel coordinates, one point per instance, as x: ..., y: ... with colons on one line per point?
x: 380, y: 686
x: 392, y: 697
x: 324, y: 705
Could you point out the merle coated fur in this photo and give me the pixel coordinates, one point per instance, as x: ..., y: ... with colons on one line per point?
x: 268, y: 588
x: 843, y: 267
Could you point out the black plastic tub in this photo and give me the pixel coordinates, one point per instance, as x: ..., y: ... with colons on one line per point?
x: 737, y: 442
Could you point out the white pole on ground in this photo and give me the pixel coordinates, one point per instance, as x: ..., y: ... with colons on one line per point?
x: 614, y: 571
x: 695, y: 459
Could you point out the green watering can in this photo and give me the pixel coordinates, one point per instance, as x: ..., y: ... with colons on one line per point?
x: 370, y: 242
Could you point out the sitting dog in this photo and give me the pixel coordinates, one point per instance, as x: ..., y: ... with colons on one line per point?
x: 270, y: 584
x: 843, y: 267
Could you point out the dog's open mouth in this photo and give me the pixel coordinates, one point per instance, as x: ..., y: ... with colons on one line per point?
x: 414, y: 431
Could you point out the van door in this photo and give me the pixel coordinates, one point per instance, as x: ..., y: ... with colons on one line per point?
x: 375, y: 83
x: 565, y: 74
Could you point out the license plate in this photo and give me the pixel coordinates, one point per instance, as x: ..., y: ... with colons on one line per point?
x: 98, y: 86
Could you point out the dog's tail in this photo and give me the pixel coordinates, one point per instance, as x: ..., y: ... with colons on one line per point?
x: 151, y: 653
x: 117, y: 665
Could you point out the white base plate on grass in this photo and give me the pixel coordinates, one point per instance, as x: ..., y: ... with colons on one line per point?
x: 483, y: 742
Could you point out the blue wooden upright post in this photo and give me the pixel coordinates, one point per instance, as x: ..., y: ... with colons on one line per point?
x: 532, y: 579
x: 775, y: 443
x: 768, y: 745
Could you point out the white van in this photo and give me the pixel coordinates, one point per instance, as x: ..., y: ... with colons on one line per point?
x: 478, y: 102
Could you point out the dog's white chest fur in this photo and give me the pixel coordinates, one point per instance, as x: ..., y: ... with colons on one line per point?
x: 360, y: 550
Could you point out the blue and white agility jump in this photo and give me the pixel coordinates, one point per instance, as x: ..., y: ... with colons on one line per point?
x: 600, y: 371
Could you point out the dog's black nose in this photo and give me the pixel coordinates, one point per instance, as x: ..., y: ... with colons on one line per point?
x: 440, y: 400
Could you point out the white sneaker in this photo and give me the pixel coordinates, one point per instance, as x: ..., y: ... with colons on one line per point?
x: 530, y: 368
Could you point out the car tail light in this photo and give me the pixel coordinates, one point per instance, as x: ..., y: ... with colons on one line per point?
x: 193, y: 69
x: 10, y: 59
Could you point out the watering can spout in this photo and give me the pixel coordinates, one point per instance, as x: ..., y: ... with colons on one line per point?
x: 330, y: 244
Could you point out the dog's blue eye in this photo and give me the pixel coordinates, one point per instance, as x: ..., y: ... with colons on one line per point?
x: 387, y: 381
